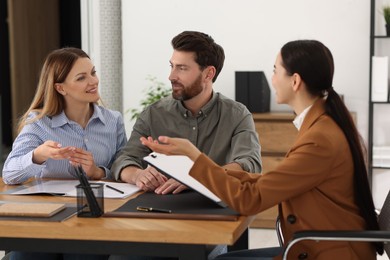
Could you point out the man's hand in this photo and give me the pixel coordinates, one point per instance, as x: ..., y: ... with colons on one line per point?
x: 170, y: 186
x: 149, y: 179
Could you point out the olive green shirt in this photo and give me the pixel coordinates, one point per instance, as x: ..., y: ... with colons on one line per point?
x: 223, y: 129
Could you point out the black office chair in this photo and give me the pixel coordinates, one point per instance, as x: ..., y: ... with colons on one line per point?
x: 382, y: 235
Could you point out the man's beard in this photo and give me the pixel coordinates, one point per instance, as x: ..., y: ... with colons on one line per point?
x: 187, y: 93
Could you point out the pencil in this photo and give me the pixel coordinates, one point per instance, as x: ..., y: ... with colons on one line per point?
x: 115, y: 189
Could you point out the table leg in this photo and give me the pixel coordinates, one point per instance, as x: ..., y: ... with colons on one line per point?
x: 242, y: 243
x: 192, y: 252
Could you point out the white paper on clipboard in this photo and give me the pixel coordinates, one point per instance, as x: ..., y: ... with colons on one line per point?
x: 178, y: 167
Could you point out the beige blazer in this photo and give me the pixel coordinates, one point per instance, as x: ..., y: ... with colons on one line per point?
x: 313, y: 185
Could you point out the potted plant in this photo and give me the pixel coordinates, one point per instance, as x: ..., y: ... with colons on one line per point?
x: 154, y: 92
x: 386, y: 15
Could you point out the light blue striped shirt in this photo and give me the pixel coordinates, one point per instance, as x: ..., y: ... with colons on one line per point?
x: 104, y: 136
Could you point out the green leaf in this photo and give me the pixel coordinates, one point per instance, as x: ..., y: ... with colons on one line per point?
x: 386, y: 13
x: 156, y: 91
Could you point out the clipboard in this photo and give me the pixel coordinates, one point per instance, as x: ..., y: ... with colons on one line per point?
x: 178, y: 167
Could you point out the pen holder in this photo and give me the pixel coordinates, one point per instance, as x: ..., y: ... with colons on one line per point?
x: 90, y: 200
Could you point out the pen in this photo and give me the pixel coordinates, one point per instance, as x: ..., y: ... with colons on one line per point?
x: 115, y: 189
x: 150, y: 209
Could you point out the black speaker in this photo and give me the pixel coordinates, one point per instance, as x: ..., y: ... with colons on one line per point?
x: 253, y: 91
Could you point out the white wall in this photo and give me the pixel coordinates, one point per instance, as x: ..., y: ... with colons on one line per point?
x: 101, y: 26
x: 251, y: 33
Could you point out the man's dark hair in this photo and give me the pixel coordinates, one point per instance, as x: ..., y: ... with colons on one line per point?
x: 207, y: 52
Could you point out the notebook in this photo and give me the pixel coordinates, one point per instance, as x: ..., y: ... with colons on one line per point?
x: 31, y: 209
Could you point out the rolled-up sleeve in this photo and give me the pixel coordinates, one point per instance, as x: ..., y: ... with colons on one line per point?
x: 245, y: 146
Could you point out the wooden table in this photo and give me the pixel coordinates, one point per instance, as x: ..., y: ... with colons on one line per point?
x: 185, y: 239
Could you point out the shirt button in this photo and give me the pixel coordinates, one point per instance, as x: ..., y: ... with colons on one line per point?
x: 86, y: 139
x: 194, y: 128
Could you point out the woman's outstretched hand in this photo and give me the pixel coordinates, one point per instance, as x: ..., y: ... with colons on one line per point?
x: 172, y: 146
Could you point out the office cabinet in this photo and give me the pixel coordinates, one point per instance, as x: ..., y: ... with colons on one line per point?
x: 378, y: 123
x: 277, y: 134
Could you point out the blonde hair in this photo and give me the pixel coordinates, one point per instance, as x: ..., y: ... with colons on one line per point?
x: 47, y: 101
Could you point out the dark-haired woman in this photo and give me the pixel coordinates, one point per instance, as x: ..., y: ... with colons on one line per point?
x: 321, y: 184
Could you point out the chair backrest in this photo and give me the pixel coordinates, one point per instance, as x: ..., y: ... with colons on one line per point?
x: 384, y: 220
x: 278, y: 228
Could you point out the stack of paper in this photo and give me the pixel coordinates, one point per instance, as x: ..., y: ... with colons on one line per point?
x: 380, y: 79
x: 68, y: 188
x: 381, y: 156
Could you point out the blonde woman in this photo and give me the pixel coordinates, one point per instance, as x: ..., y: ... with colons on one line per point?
x: 65, y: 126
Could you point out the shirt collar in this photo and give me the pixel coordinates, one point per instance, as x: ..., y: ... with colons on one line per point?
x: 61, y: 119
x: 205, y: 110
x: 299, y: 119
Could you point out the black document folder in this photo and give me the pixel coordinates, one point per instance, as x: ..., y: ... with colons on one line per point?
x: 185, y: 205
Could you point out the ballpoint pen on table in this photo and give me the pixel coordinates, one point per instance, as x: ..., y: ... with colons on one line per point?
x: 151, y: 209
x: 115, y: 189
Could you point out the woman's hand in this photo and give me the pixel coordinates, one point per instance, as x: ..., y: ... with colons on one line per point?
x: 85, y: 159
x: 172, y: 146
x: 51, y: 150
